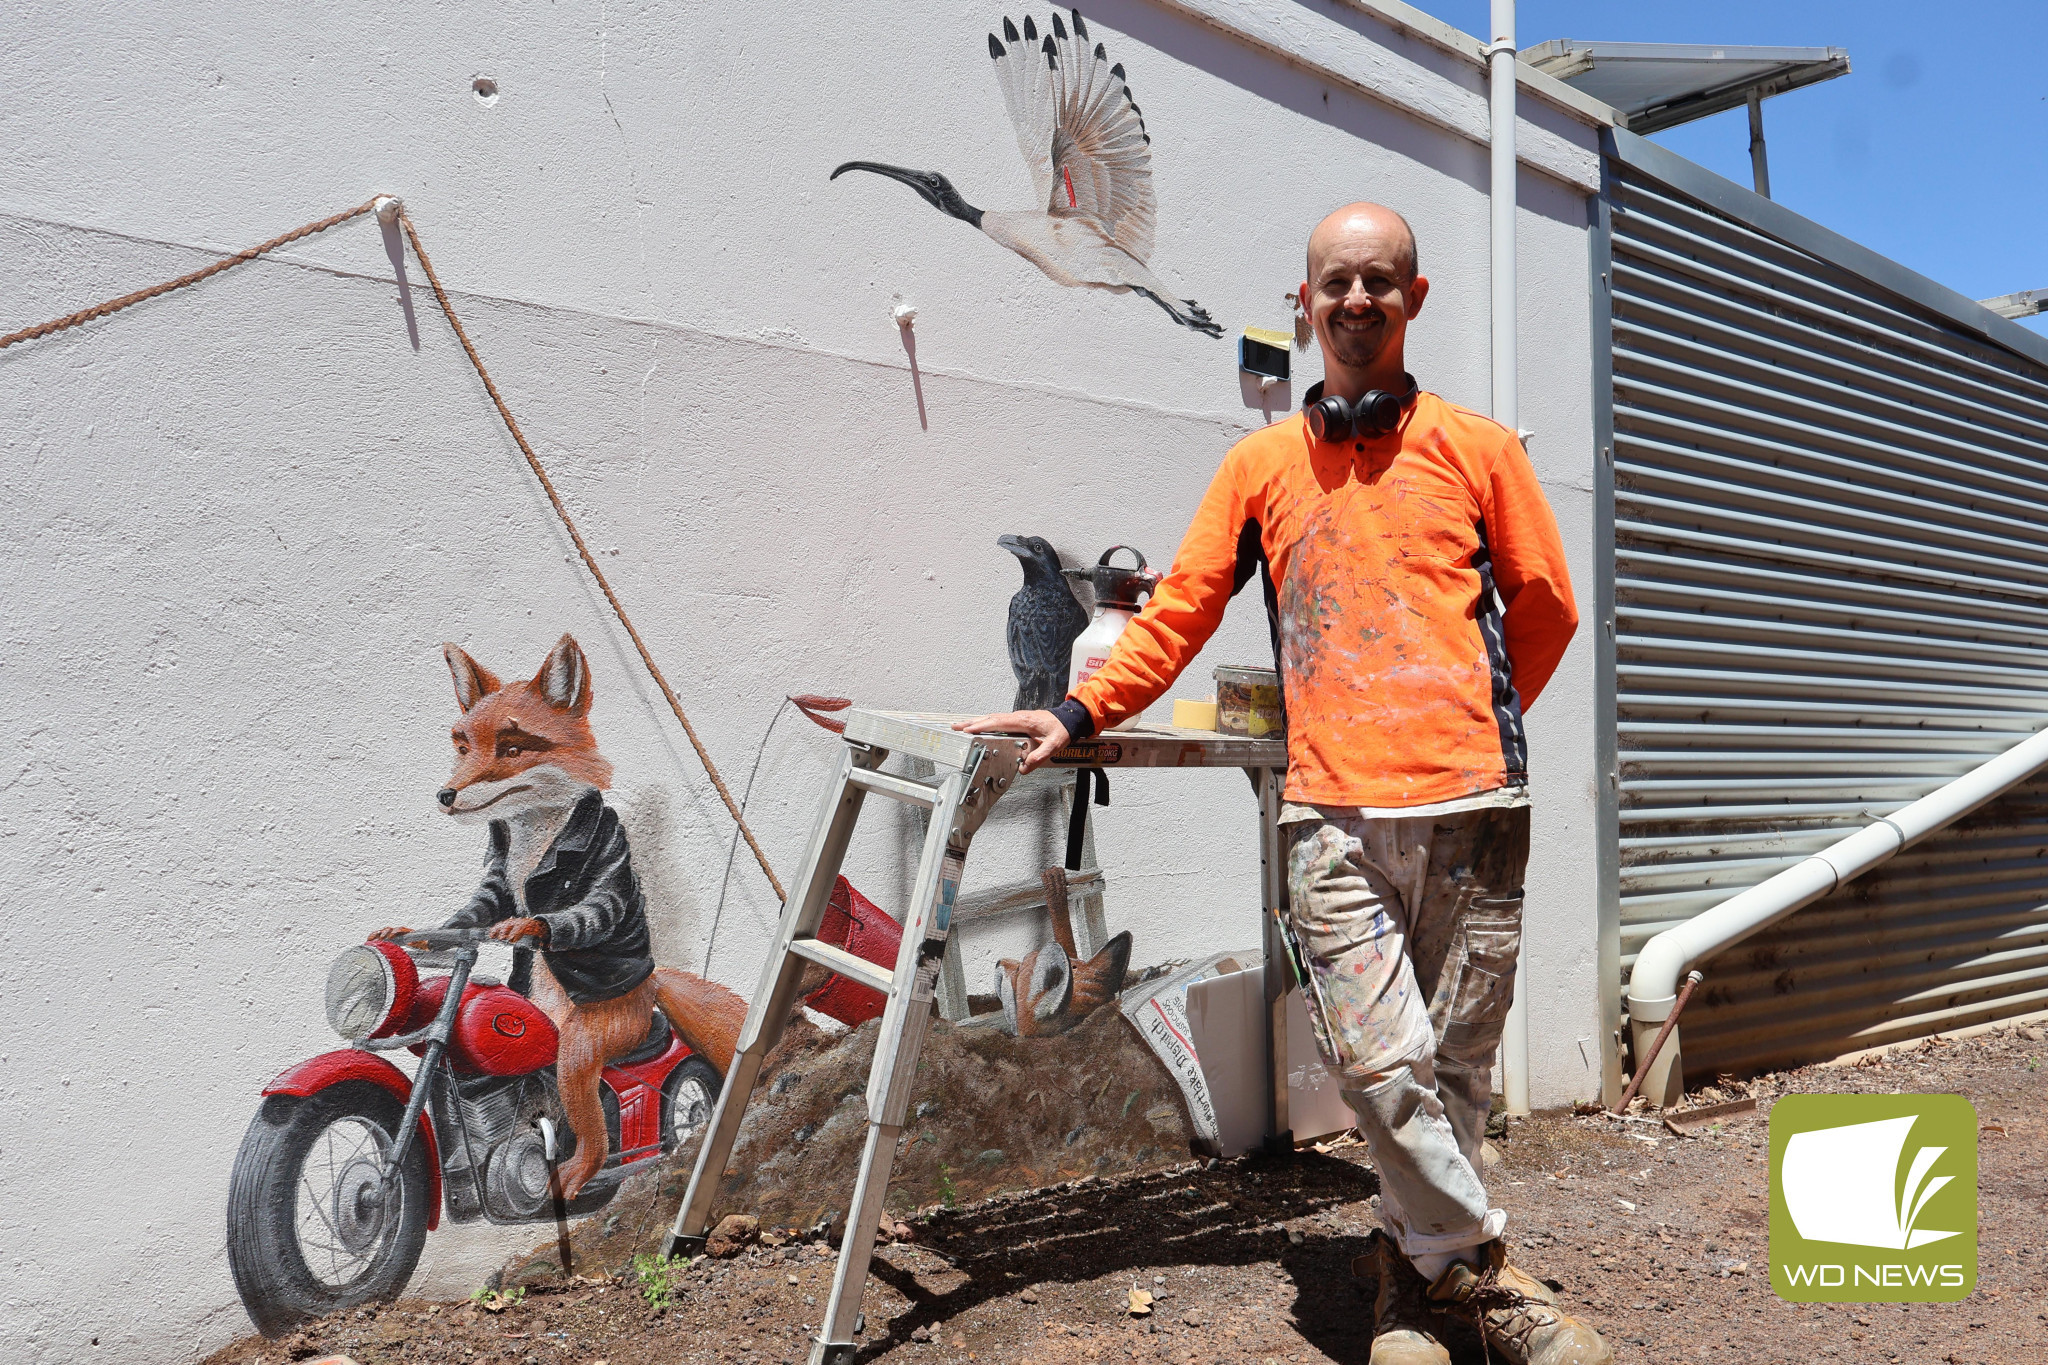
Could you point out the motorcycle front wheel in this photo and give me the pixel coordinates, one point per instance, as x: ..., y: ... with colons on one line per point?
x: 314, y: 1225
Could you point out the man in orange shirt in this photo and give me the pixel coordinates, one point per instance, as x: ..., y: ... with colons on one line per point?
x: 1419, y: 601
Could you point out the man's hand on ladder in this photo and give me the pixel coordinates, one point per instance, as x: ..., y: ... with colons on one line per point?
x: 1048, y: 736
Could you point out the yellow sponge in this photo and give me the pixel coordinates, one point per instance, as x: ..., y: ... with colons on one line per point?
x: 1194, y: 715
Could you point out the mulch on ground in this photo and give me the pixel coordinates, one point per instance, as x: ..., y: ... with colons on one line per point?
x: 1660, y: 1241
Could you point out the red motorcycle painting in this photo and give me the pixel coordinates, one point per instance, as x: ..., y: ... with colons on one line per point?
x: 349, y: 1163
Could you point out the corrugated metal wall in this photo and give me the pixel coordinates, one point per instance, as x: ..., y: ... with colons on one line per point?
x: 1830, y: 595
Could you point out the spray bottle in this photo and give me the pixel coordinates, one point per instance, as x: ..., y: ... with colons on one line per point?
x: 1118, y: 596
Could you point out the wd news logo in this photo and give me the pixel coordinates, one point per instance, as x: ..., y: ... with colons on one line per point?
x: 1873, y: 1198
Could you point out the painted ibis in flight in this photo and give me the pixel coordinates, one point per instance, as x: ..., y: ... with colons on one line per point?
x: 1091, y: 162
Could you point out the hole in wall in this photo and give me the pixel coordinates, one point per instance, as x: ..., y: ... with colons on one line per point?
x: 485, y: 88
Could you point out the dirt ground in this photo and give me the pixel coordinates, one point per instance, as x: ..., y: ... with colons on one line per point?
x: 1659, y: 1241
x: 1087, y: 1101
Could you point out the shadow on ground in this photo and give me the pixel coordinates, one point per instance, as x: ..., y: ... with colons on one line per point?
x: 1224, y: 1215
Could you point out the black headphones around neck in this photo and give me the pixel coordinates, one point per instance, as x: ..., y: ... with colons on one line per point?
x: 1375, y: 414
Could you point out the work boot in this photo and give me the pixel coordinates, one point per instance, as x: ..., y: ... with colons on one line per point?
x: 1518, y: 1314
x: 1404, y: 1326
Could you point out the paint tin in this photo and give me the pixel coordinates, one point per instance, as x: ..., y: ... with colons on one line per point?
x: 1248, y: 701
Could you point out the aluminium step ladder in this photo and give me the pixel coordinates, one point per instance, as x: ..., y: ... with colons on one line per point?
x: 959, y: 796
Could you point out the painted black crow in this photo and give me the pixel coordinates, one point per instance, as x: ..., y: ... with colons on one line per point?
x: 1045, y: 618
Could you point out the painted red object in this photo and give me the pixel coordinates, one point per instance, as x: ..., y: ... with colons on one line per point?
x: 332, y: 1068
x: 426, y: 1003
x: 500, y: 1046
x: 639, y: 1090
x: 857, y: 924
x: 812, y: 706
x: 405, y: 987
x: 498, y: 1031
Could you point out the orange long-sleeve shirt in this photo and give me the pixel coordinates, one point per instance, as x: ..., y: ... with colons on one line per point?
x: 1404, y: 681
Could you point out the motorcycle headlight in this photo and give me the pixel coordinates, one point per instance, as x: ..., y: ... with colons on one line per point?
x: 370, y: 990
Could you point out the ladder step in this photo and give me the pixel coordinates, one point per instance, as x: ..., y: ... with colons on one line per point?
x: 845, y: 963
x: 900, y: 788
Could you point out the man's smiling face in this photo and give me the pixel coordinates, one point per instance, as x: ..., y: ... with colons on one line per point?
x: 1362, y: 286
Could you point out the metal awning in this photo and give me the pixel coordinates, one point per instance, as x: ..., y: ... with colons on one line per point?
x: 2025, y: 304
x: 1660, y: 85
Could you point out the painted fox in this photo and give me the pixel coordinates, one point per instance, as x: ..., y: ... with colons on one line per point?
x: 560, y: 878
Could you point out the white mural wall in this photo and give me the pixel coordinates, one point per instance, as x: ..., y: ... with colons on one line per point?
x: 242, y: 519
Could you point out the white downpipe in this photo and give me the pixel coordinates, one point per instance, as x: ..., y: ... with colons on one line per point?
x: 1500, y: 80
x: 1666, y: 958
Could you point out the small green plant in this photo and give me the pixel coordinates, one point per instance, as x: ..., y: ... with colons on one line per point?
x: 660, y: 1280
x: 949, y: 1195
x: 495, y: 1300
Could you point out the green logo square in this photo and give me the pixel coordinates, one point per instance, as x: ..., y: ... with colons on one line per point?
x: 1873, y: 1198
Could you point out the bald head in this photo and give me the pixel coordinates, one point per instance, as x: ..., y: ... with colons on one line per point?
x: 1364, y: 224
x: 1361, y: 290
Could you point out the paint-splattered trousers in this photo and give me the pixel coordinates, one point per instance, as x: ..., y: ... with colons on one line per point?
x: 1408, y: 929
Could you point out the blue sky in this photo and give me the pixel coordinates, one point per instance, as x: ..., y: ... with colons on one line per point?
x: 1933, y: 150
